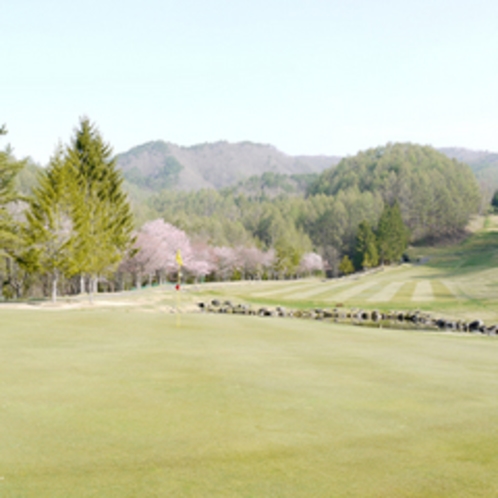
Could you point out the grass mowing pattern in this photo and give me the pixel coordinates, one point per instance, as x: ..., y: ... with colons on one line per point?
x: 459, y: 281
x: 124, y: 404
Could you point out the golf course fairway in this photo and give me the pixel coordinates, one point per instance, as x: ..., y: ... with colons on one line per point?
x: 136, y: 403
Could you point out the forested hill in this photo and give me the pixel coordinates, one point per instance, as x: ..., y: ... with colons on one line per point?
x: 158, y: 165
x: 484, y: 164
x: 436, y: 194
x: 153, y: 166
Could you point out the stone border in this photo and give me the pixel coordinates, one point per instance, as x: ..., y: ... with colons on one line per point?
x: 392, y: 319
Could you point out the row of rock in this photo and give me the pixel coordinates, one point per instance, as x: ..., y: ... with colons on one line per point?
x: 359, y: 317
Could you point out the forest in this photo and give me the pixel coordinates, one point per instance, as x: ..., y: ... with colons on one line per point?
x: 76, y: 226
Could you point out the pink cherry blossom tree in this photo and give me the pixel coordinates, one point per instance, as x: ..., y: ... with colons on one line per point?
x: 156, y: 248
x: 250, y: 261
x: 311, y: 262
x: 225, y: 259
x: 202, y: 262
x: 157, y: 243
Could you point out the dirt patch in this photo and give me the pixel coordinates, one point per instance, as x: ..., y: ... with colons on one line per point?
x: 162, y: 301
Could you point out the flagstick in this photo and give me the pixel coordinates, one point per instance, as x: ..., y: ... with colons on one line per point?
x: 179, y: 261
x: 178, y: 298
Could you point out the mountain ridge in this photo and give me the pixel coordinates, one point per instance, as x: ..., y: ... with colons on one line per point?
x: 211, y: 165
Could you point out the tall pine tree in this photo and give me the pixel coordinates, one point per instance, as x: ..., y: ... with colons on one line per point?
x: 392, y: 234
x: 366, y: 254
x: 50, y: 223
x: 102, y: 214
x: 9, y: 168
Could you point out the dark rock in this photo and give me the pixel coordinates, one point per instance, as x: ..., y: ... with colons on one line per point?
x: 475, y: 325
x: 492, y: 330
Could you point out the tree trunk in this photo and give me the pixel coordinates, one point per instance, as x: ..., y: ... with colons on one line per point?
x: 92, y: 285
x: 82, y: 284
x: 54, y: 288
x: 119, y: 284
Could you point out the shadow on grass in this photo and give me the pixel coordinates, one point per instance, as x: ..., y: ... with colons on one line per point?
x: 477, y: 253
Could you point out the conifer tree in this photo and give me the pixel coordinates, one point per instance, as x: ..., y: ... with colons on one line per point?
x: 9, y: 168
x: 50, y: 223
x: 494, y: 201
x: 366, y: 254
x: 102, y: 215
x: 346, y: 265
x: 392, y: 234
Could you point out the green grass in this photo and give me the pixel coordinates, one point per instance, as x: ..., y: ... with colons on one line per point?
x: 460, y: 281
x: 130, y: 400
x: 120, y: 403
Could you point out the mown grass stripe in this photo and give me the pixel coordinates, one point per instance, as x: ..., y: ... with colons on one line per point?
x: 354, y: 291
x: 287, y: 287
x: 423, y: 291
x: 452, y: 288
x: 405, y: 293
x: 441, y: 291
x: 309, y: 291
x: 387, y: 293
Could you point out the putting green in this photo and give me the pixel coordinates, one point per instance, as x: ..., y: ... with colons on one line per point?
x: 125, y: 403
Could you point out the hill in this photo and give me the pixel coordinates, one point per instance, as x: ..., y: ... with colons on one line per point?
x: 436, y: 194
x: 157, y: 165
x: 484, y: 164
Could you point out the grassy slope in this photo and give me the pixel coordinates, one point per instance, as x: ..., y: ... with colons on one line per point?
x: 459, y: 281
x: 127, y: 403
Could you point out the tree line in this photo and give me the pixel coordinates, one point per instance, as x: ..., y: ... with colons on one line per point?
x: 77, y: 227
x: 432, y: 196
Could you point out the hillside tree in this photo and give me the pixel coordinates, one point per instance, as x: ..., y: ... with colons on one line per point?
x: 366, y: 254
x: 392, y: 234
x: 346, y: 265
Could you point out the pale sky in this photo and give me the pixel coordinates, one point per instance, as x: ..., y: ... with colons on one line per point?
x: 307, y: 76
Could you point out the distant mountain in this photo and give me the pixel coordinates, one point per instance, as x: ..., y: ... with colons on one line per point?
x: 157, y: 165
x: 484, y: 164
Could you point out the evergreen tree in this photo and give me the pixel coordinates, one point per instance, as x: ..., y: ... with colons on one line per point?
x: 102, y: 217
x: 494, y: 201
x: 346, y: 266
x: 366, y: 254
x: 50, y: 222
x: 392, y: 234
x: 9, y: 168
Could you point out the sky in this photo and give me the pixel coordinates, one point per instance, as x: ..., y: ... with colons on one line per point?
x: 308, y: 76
